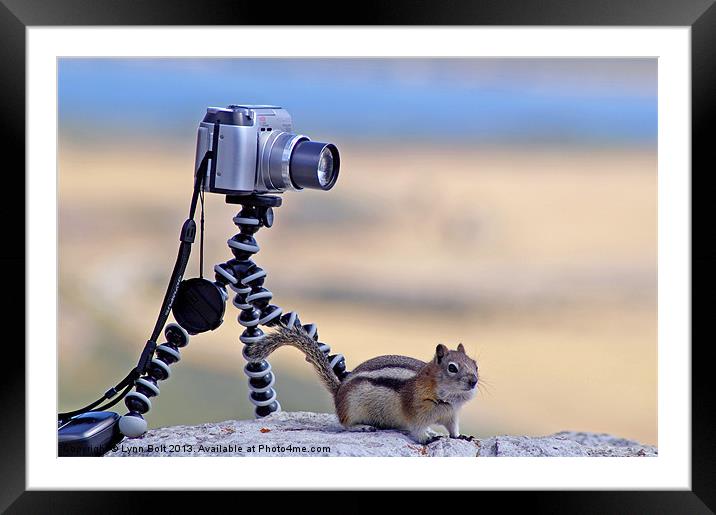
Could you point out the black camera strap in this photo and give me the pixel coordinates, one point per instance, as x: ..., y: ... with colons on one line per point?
x: 201, y: 240
x: 188, y: 233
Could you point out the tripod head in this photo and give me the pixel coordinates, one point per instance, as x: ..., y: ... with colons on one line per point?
x: 255, y: 200
x: 262, y: 205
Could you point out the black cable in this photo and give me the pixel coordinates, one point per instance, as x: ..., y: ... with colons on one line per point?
x: 127, y: 382
x: 178, y: 272
x: 201, y: 240
x: 65, y: 416
x: 115, y: 401
x: 198, y: 182
x: 181, y: 262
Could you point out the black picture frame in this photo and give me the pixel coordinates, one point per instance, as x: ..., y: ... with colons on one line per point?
x: 700, y: 15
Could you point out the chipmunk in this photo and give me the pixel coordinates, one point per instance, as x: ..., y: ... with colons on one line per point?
x: 389, y: 392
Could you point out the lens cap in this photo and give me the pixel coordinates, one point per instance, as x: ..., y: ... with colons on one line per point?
x: 199, y: 305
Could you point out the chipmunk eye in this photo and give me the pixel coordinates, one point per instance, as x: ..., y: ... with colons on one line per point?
x: 452, y: 368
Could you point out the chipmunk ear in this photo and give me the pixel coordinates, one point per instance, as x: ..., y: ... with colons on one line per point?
x: 461, y: 348
x: 440, y: 352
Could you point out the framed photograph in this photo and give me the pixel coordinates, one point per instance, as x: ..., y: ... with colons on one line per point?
x: 472, y: 224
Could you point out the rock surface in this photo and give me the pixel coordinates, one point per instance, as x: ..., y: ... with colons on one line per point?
x: 320, y: 434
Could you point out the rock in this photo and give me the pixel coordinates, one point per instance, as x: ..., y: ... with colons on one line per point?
x: 320, y: 434
x: 565, y: 443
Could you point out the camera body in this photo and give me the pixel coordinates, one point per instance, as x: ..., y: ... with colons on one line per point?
x: 255, y: 151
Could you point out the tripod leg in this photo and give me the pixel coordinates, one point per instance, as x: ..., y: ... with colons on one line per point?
x: 246, y: 280
x: 138, y: 402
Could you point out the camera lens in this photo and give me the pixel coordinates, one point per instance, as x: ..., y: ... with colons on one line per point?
x: 314, y: 165
x: 325, y: 167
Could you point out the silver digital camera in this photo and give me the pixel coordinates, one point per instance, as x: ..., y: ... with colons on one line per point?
x: 254, y: 150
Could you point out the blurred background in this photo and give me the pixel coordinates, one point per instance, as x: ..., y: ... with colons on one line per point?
x: 509, y: 204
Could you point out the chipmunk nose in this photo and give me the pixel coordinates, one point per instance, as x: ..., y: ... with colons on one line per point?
x: 472, y: 381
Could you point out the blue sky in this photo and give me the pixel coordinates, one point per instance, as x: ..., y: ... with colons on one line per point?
x: 476, y: 101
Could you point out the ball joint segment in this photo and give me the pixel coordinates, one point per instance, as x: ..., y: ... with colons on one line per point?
x: 138, y: 402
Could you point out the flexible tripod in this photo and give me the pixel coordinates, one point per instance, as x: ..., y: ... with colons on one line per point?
x: 246, y: 280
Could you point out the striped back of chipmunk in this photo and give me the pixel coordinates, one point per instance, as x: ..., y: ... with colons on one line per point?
x: 370, y: 394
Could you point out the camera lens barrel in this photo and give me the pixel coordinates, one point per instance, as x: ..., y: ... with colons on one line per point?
x: 314, y: 165
x: 292, y: 161
x: 278, y: 149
